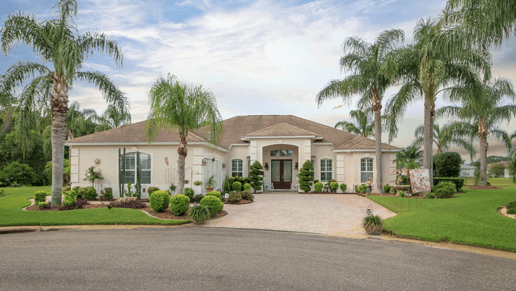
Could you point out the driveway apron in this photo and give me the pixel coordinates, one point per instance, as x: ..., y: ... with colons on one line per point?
x: 330, y: 214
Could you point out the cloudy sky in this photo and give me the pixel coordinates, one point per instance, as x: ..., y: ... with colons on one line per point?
x: 257, y: 57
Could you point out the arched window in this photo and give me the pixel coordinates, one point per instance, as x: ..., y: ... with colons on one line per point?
x: 326, y: 170
x: 237, y: 168
x: 131, y: 168
x: 366, y: 169
x: 282, y: 153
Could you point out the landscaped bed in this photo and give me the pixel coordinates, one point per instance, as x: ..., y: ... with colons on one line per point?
x: 473, y: 219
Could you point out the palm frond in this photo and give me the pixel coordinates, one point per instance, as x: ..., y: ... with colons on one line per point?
x: 112, y: 94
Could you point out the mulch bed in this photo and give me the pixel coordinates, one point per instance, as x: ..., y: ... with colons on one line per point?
x: 503, y: 211
x: 243, y: 201
x: 481, y: 187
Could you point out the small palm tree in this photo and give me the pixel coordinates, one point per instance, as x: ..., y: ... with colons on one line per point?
x: 364, y: 123
x: 57, y: 43
x: 408, y: 157
x: 481, y: 112
x: 112, y: 118
x: 444, y: 137
x: 364, y: 61
x: 183, y: 108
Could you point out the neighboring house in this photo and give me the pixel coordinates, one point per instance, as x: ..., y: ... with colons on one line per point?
x: 506, y: 173
x: 282, y: 142
x: 467, y: 171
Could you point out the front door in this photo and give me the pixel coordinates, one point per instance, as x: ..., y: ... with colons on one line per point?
x: 281, y: 174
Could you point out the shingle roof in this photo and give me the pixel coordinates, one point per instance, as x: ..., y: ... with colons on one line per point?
x: 237, y: 127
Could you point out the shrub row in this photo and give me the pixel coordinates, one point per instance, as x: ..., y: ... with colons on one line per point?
x: 318, y: 186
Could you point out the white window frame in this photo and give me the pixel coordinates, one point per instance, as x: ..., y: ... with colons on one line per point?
x: 239, y: 167
x: 136, y: 167
x: 325, y: 170
x: 367, y: 164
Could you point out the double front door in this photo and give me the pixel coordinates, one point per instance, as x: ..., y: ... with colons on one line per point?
x: 281, y: 174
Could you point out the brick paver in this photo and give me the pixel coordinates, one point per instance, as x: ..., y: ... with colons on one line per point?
x: 330, y: 214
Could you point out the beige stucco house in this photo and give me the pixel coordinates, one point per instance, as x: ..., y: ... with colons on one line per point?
x: 281, y: 143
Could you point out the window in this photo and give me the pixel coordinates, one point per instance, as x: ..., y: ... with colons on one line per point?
x: 366, y: 170
x: 237, y: 168
x: 326, y: 172
x: 131, y: 168
x: 282, y: 153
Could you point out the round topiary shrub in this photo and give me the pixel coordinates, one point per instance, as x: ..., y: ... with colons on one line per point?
x: 199, y: 214
x: 159, y: 200
x: 179, y: 204
x: 40, y: 196
x: 151, y: 190
x: 213, y: 203
x: 189, y: 192
x: 247, y: 186
x: 386, y: 188
x: 334, y: 186
x: 343, y: 187
x: 237, y: 186
x: 444, y: 189
x: 234, y: 197
x: 362, y: 188
x: 318, y: 187
x: 215, y: 194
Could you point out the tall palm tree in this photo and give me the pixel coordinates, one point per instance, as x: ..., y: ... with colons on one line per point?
x: 424, y: 69
x: 363, y: 126
x: 56, y: 42
x: 443, y: 137
x: 112, y: 118
x: 481, y: 112
x: 364, y: 60
x: 183, y: 108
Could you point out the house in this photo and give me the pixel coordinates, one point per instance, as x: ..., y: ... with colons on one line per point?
x: 467, y: 171
x: 281, y: 143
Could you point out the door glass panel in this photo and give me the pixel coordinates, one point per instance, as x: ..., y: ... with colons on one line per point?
x: 275, y: 171
x: 287, y: 171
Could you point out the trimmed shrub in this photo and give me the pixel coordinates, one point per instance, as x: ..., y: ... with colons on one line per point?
x: 393, y: 191
x: 318, y: 187
x: 343, y: 187
x: 237, y: 186
x: 197, y: 198
x: 247, y: 195
x: 151, y: 190
x: 16, y: 173
x: 401, y: 194
x: 334, y: 186
x: 42, y: 205
x: 213, y: 203
x: 199, y: 213
x: 159, y: 200
x: 88, y: 193
x: 189, y: 192
x: 429, y: 196
x: 386, y: 188
x: 215, y: 194
x: 306, y: 176
x: 444, y: 189
x: 40, y: 196
x: 179, y: 204
x: 128, y: 203
x: 247, y: 186
x: 459, y: 182
x: 68, y: 200
x: 107, y: 193
x: 256, y: 176
x: 234, y: 197
x: 447, y: 164
x: 362, y: 188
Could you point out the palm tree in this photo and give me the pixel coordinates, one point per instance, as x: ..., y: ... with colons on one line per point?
x: 424, y: 69
x: 364, y: 125
x: 444, y: 137
x: 408, y: 156
x: 57, y: 43
x: 481, y: 112
x: 184, y: 108
x: 113, y: 118
x: 364, y: 61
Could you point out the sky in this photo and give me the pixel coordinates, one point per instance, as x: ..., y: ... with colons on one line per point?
x: 257, y: 57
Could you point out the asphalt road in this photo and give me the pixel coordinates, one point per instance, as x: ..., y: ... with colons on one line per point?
x: 200, y: 258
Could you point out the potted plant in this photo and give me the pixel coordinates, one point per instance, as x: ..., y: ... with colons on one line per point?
x: 210, y: 184
x: 373, y: 224
x: 172, y: 188
x: 197, y: 183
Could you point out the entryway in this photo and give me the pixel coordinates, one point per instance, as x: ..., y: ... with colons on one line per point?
x: 281, y: 174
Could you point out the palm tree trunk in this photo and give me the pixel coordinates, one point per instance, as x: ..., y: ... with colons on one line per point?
x: 482, y: 134
x: 183, y: 152
x: 427, y: 137
x: 377, y: 108
x: 59, y: 103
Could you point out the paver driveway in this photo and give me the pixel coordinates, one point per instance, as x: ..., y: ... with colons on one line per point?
x: 330, y: 214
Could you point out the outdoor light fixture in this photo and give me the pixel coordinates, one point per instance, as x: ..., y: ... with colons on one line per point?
x: 369, y: 210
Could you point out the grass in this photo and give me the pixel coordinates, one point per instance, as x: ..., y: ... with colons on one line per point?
x: 11, y: 213
x: 470, y: 219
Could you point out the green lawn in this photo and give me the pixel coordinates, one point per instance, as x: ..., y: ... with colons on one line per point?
x: 470, y: 219
x: 11, y: 212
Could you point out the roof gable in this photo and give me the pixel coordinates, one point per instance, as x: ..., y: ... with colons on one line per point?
x: 281, y: 129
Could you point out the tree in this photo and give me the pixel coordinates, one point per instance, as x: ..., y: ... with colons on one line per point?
x: 447, y: 164
x: 407, y: 157
x: 183, y: 108
x: 481, y: 113
x: 256, y: 176
x: 424, y: 69
x: 364, y: 61
x: 56, y: 42
x: 443, y: 137
x: 112, y: 118
x: 363, y: 126
x: 497, y: 170
x: 306, y: 176
x: 512, y: 166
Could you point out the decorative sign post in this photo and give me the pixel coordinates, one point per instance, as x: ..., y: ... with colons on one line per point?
x: 420, y: 180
